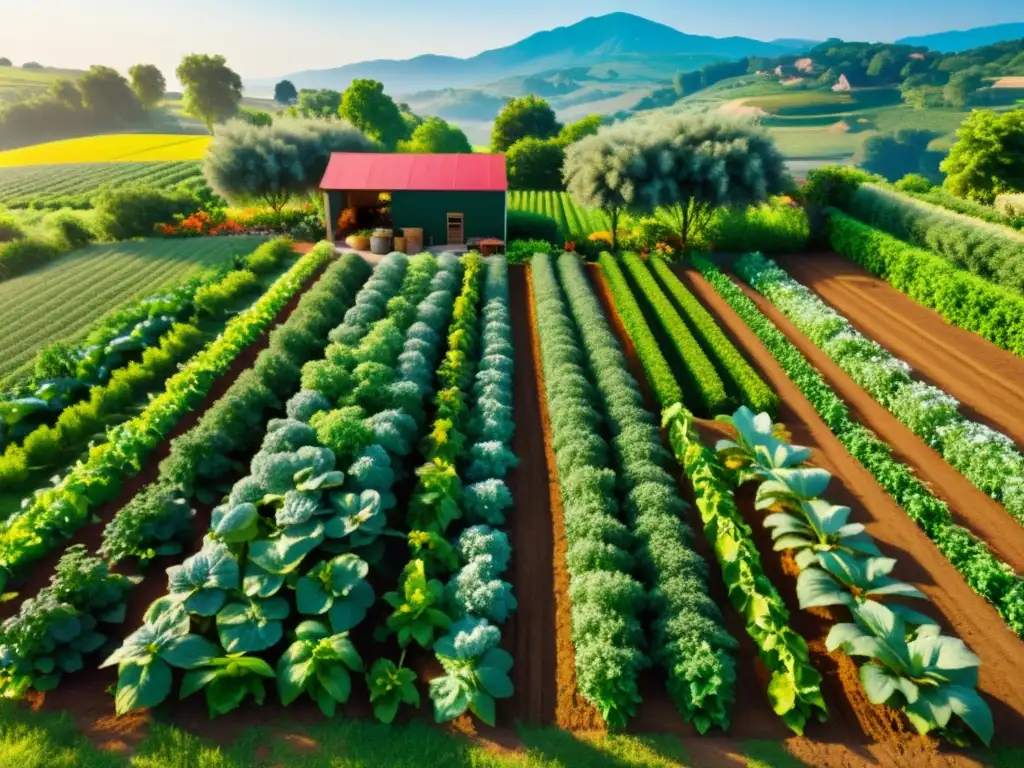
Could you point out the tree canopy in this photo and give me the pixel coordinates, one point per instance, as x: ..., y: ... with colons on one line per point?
x: 368, y: 108
x: 274, y: 163
x: 321, y: 102
x: 988, y: 157
x: 894, y: 155
x: 535, y: 164
x: 434, y: 135
x: 148, y: 84
x: 527, y: 116
x: 105, y: 91
x: 5, y: 62
x: 212, y: 90
x: 573, y: 132
x: 66, y: 92
x: 684, y: 165
x: 285, y: 92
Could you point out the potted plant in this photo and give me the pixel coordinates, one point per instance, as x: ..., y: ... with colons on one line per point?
x: 380, y: 241
x: 399, y: 241
x: 359, y: 241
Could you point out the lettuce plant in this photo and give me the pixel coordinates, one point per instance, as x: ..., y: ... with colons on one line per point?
x: 819, y: 527
x: 319, y: 664
x: 476, y: 672
x: 390, y: 687
x: 338, y: 588
x: 227, y: 681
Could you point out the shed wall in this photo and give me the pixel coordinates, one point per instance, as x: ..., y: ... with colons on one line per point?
x: 484, y: 213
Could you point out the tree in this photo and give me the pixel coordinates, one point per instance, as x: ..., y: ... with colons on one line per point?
x: 573, y: 132
x: 434, y: 135
x: 321, y: 102
x: 988, y: 157
x: 255, y: 116
x: 961, y: 87
x: 148, y: 83
x: 535, y: 164
x: 521, y: 118
x: 687, y: 166
x: 368, y: 108
x: 66, y: 92
x: 106, y: 92
x: 894, y: 155
x: 679, y: 84
x: 32, y: 65
x: 212, y: 90
x: 881, y: 62
x: 5, y: 62
x: 285, y: 92
x: 274, y: 163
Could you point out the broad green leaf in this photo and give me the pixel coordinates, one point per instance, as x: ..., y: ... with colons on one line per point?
x: 878, y: 683
x: 142, y: 685
x: 294, y: 669
x: 483, y: 707
x: 189, y: 652
x: 257, y: 582
x: 284, y: 553
x: 252, y: 627
x: 335, y: 679
x: 196, y: 680
x: 782, y: 693
x: 310, y: 597
x: 236, y: 524
x: 816, y: 588
x: 973, y: 710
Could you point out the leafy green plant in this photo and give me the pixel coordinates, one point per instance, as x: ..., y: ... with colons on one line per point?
x: 251, y: 624
x: 156, y: 522
x: 338, y: 588
x: 476, y: 672
x: 418, y: 604
x: 318, y: 664
x: 227, y: 681
x: 202, y: 582
x: 390, y: 687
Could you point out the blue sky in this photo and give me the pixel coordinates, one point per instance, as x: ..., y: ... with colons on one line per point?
x: 265, y: 38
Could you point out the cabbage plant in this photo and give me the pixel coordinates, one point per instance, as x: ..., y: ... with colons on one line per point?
x: 476, y: 672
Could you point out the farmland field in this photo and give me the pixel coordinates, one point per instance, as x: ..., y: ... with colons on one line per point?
x: 21, y: 186
x: 63, y: 299
x: 132, y: 147
x: 574, y: 220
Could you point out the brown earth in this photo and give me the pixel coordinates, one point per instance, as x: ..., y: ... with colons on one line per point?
x: 988, y: 381
x: 983, y: 516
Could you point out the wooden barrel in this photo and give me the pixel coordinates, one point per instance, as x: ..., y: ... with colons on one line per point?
x: 413, y: 239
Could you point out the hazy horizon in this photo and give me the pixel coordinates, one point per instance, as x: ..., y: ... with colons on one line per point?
x: 263, y: 39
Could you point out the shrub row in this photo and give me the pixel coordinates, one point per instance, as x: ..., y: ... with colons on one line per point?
x: 605, y: 599
x: 736, y: 372
x: 986, y: 249
x: 659, y: 372
x: 54, y: 514
x: 795, y: 687
x: 991, y: 578
x: 989, y: 459
x: 157, y: 521
x: 688, y: 639
x: 940, y: 197
x: 964, y: 300
x: 701, y: 382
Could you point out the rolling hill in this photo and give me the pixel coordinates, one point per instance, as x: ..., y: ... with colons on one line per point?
x: 955, y: 41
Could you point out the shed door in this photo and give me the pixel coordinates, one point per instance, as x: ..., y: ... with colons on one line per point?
x: 456, y: 228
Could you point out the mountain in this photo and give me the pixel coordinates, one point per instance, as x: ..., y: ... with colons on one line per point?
x: 592, y: 41
x: 795, y: 43
x: 955, y: 41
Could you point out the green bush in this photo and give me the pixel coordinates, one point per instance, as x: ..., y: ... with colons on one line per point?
x: 834, y: 184
x: 9, y: 228
x: 770, y: 228
x: 521, y: 251
x: 269, y: 256
x: 135, y: 211
x: 914, y: 182
x: 524, y: 225
x: 19, y: 256
x: 964, y: 300
x: 215, y: 299
x: 940, y: 197
x: 69, y: 231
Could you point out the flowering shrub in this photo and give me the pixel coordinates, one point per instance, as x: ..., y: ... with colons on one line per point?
x: 200, y: 224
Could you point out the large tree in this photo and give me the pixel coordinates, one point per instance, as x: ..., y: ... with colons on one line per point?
x: 106, y: 92
x: 894, y: 155
x: 66, y: 92
x: 961, y: 87
x: 573, y: 132
x: 5, y: 62
x: 368, y: 108
x: 148, y: 83
x: 212, y: 90
x: 285, y: 92
x: 528, y: 116
x: 321, y: 102
x: 435, y: 136
x: 988, y: 157
x: 535, y: 164
x: 273, y: 164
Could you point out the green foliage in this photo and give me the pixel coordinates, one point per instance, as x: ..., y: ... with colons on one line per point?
x: 535, y: 164
x: 106, y: 91
x: 318, y: 664
x: 834, y: 184
x: 991, y: 578
x: 216, y: 299
x: 24, y: 254
x: 418, y: 607
x: 212, y: 90
x: 148, y: 84
x: 476, y: 672
x: 914, y: 182
x: 390, y: 687
x: 984, y: 249
x: 476, y: 588
x: 736, y: 372
x: 525, y: 225
x: 227, y: 681
x: 964, y: 300
x: 285, y: 92
x: 156, y: 522
x: 269, y: 256
x: 582, y: 128
x: 701, y: 381
x: 435, y: 136
x: 365, y: 105
x: 987, y: 158
x: 775, y: 227
x: 134, y: 211
x: 523, y: 117
x: 276, y: 163
x: 521, y: 251
x: 795, y: 687
x: 605, y: 600
x: 337, y: 588
x: 893, y: 155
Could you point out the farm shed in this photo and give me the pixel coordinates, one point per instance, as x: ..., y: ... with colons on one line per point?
x: 452, y: 198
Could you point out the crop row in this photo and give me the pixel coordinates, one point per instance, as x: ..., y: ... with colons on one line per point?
x: 701, y: 382
x: 964, y: 300
x: 54, y: 514
x: 990, y: 577
x: 911, y: 666
x: 688, y: 639
x: 40, y: 643
x: 988, y: 250
x: 73, y: 185
x: 605, y: 599
x: 575, y: 221
x: 989, y: 459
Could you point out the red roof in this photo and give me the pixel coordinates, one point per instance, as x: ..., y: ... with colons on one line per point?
x: 394, y: 172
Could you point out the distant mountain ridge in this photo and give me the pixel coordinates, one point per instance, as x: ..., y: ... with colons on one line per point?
x: 958, y: 40
x: 594, y: 40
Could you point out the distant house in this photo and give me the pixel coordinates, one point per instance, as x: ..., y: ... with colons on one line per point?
x: 842, y: 85
x: 806, y: 64
x: 452, y: 198
x: 919, y: 56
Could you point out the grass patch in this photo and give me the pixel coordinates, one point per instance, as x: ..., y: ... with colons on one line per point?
x: 135, y: 147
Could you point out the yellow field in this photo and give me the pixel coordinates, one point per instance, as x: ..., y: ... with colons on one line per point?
x: 129, y: 147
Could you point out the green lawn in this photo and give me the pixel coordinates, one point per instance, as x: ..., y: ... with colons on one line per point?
x: 61, y: 301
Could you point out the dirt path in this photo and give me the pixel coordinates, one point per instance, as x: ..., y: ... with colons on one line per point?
x: 988, y: 381
x: 980, y: 514
x: 532, y: 625
x: 953, y: 603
